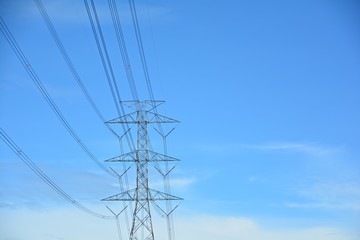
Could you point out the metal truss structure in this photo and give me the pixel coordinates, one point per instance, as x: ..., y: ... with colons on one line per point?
x: 142, y: 195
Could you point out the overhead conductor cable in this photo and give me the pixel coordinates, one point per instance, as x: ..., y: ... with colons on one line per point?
x: 11, y: 144
x: 17, y: 50
x: 69, y: 63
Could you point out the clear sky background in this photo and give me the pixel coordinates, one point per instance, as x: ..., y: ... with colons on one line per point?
x: 268, y: 96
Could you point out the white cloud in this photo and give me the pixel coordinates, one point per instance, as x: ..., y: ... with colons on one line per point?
x: 67, y: 94
x: 62, y: 223
x: 306, y: 148
x: 354, y: 206
x: 309, y: 148
x: 333, y: 195
x: 69, y: 223
x: 175, y: 182
x: 74, y: 12
x: 252, y: 179
x: 235, y: 228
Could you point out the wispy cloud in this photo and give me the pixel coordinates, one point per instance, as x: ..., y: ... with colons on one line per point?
x: 299, y: 147
x: 175, y: 182
x: 252, y: 179
x: 182, y: 182
x: 67, y: 12
x: 42, y: 225
x: 234, y: 228
x: 67, y: 94
x: 74, y: 12
x: 355, y: 206
x: 308, y: 148
x: 329, y: 195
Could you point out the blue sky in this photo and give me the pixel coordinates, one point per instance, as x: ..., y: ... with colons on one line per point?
x: 267, y: 93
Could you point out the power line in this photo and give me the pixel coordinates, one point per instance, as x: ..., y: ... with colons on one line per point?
x: 101, y: 45
x: 122, y: 47
x: 105, y: 59
x: 141, y: 48
x: 38, y: 83
x: 12, y: 145
x: 69, y: 63
x: 102, y: 49
x: 142, y: 56
x: 166, y: 178
x: 124, y: 53
x: 17, y: 50
x: 76, y: 76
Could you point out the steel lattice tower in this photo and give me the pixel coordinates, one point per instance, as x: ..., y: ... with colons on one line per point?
x: 142, y: 195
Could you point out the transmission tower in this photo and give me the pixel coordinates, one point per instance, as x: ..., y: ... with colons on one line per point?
x: 142, y: 195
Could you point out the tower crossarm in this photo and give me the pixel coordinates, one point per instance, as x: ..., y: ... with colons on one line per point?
x: 145, y: 103
x: 158, y: 196
x: 152, y: 117
x: 132, y: 157
x: 154, y: 195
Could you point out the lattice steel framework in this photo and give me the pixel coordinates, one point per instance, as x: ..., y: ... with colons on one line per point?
x: 142, y: 195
